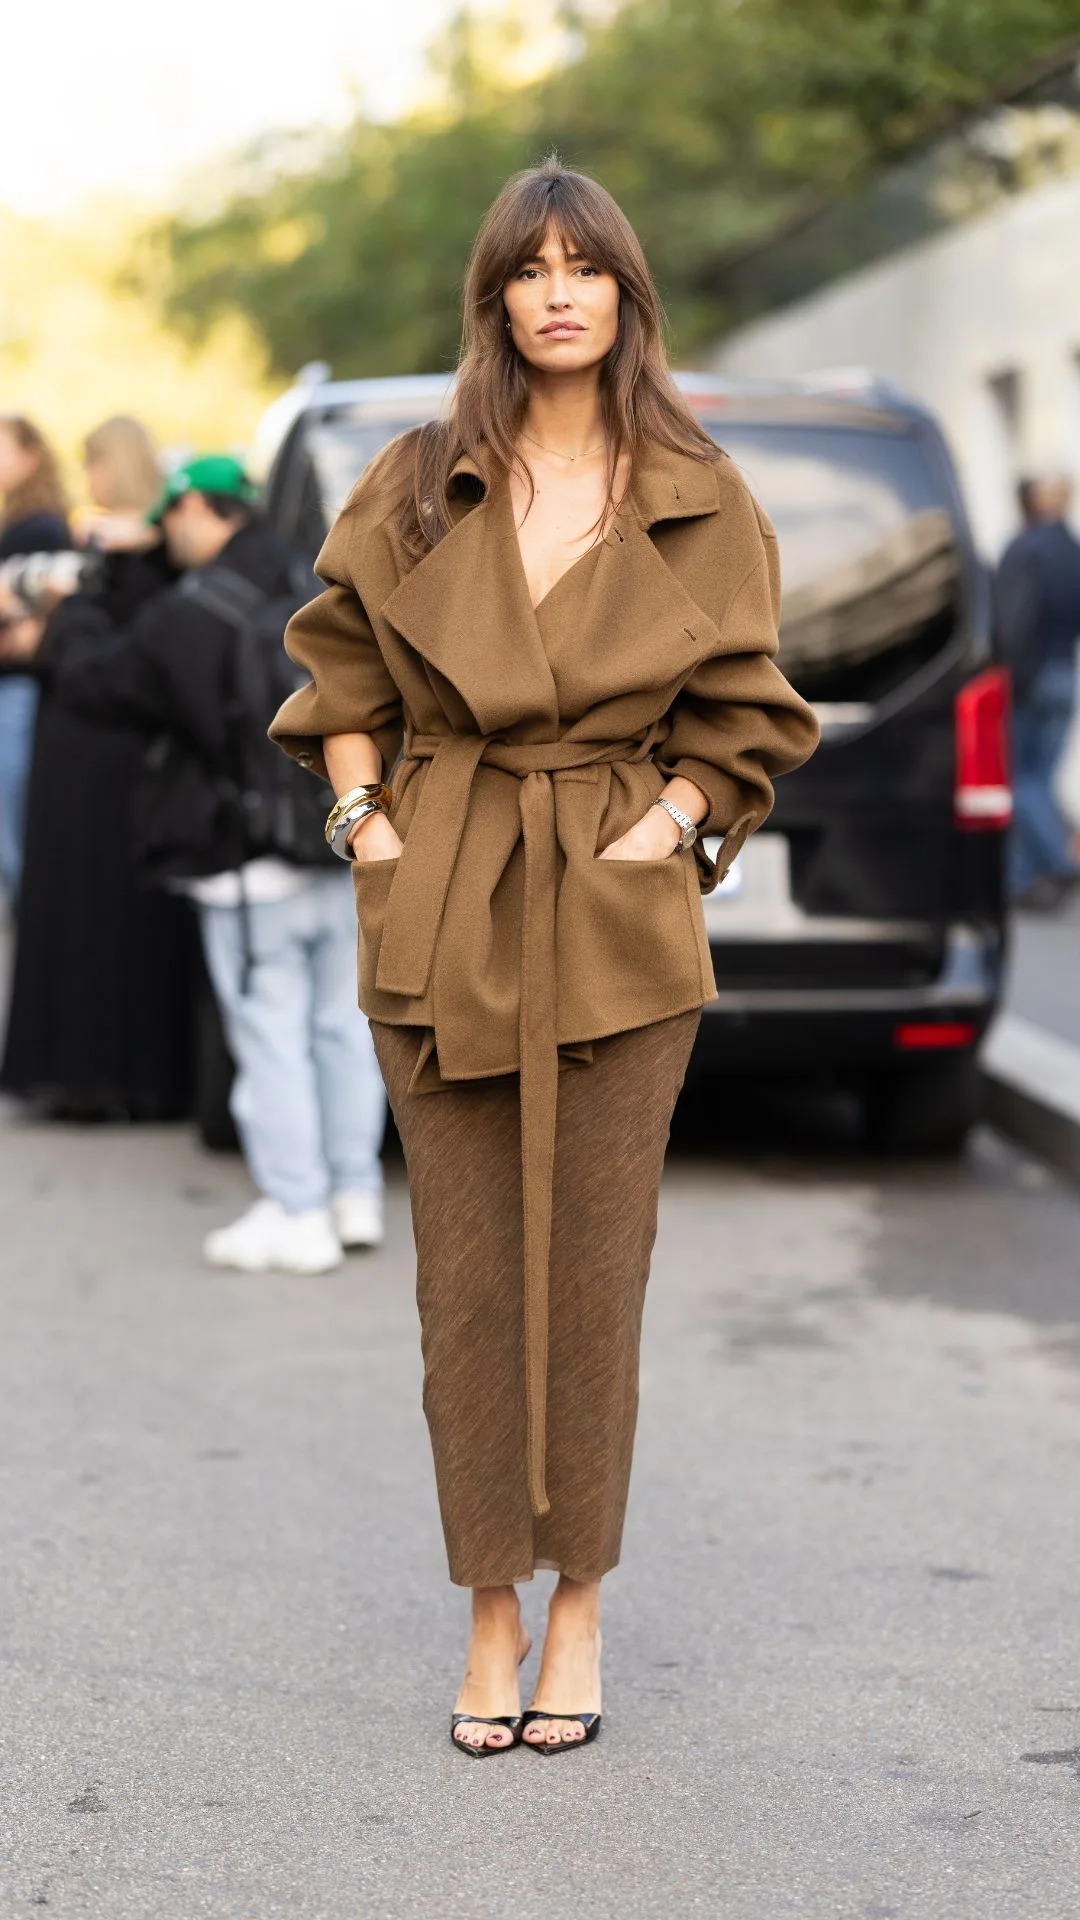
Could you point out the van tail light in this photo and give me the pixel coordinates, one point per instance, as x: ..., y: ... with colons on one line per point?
x: 982, y: 799
x: 933, y: 1036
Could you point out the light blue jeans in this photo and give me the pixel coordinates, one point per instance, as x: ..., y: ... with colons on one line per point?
x: 308, y: 1099
x: 1039, y: 842
x: 18, y: 710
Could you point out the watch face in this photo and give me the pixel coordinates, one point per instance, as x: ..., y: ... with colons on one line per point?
x: 689, y: 836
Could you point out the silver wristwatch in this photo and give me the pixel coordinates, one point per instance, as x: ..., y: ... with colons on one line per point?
x: 682, y: 821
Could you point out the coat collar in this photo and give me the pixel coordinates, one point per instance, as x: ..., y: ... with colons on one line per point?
x: 465, y: 606
x: 664, y: 485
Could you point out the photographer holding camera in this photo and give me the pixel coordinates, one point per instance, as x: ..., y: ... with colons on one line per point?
x: 100, y: 1022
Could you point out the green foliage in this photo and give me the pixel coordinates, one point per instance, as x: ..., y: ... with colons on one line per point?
x: 712, y: 122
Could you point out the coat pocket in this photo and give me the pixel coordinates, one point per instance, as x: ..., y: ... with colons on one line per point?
x: 372, y: 880
x: 626, y: 926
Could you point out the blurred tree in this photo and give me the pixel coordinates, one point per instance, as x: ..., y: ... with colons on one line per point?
x: 75, y: 347
x: 712, y: 121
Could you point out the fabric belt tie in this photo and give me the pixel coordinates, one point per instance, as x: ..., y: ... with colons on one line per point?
x: 414, y: 912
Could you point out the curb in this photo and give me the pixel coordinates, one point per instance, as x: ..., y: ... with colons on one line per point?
x: 1031, y: 1090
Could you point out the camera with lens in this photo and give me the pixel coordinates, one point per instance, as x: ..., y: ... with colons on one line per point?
x: 38, y: 580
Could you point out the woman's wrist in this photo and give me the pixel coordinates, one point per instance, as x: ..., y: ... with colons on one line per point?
x: 662, y: 824
x: 373, y: 832
x: 361, y: 825
x: 688, y: 798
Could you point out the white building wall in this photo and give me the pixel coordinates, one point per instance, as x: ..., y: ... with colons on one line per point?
x: 981, y: 323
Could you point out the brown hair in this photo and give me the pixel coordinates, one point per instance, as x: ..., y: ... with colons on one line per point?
x: 639, y: 400
x: 124, y: 451
x: 43, y: 490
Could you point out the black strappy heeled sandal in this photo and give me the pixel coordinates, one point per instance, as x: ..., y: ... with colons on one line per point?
x: 514, y: 1721
x: 590, y: 1722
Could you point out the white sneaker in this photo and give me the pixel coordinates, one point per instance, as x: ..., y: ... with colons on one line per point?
x: 358, y: 1218
x: 266, y: 1239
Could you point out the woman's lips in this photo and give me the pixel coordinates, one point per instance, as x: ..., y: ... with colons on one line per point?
x: 558, y: 327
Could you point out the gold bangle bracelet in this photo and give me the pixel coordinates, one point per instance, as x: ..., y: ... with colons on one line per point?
x: 375, y: 790
x: 377, y: 793
x: 339, y: 833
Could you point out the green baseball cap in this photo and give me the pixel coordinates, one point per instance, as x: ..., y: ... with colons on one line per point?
x: 210, y: 473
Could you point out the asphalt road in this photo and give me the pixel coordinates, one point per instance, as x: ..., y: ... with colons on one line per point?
x: 841, y: 1670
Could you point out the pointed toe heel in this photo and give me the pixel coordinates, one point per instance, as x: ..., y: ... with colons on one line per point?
x: 512, y: 1721
x: 590, y: 1722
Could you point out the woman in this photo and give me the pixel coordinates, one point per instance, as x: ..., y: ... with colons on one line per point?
x: 33, y: 520
x: 100, y: 1016
x: 562, y: 601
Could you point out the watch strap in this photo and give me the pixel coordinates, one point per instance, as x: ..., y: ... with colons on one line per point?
x: 682, y: 821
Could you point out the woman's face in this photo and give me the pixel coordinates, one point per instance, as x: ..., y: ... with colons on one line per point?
x: 16, y: 463
x: 563, y: 310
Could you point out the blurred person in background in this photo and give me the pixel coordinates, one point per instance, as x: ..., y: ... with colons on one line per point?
x: 100, y: 1021
x: 33, y: 520
x: 279, y: 934
x: 1037, y: 624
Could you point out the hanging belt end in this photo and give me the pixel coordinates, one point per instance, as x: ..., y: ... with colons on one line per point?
x: 537, y: 1489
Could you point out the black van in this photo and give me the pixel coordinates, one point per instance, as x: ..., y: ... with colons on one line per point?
x: 860, y: 936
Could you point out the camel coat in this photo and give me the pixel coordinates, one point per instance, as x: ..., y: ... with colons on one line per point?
x: 499, y: 931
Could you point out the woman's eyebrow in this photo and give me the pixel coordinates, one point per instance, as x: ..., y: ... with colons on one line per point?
x: 540, y: 259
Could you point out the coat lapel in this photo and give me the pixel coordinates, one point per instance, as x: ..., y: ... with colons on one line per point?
x: 465, y: 608
x: 642, y: 627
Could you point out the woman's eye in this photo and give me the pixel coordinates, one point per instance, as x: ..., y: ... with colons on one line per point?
x: 590, y: 270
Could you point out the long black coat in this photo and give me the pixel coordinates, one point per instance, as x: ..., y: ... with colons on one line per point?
x: 100, y: 1016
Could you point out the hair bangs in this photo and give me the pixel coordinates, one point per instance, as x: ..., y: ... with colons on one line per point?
x: 578, y: 221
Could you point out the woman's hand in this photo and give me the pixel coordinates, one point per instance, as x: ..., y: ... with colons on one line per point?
x: 20, y: 639
x: 114, y: 532
x: 11, y: 607
x: 653, y: 837
x: 374, y: 839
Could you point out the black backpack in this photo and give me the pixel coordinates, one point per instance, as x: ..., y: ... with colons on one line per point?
x: 280, y: 809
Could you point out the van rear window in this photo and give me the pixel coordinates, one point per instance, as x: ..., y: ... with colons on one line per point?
x: 871, y: 566
x: 342, y: 448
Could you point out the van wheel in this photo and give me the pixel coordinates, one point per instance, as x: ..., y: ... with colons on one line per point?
x: 925, y: 1108
x: 214, y: 1074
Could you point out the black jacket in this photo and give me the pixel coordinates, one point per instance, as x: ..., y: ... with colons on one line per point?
x: 41, y: 532
x: 167, y: 676
x: 1037, y: 601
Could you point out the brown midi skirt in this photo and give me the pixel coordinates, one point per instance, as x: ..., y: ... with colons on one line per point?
x: 463, y: 1152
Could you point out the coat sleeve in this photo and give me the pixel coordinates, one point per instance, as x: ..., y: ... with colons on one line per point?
x: 351, y: 689
x: 737, y: 723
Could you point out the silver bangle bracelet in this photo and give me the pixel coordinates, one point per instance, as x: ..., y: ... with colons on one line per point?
x: 339, y: 837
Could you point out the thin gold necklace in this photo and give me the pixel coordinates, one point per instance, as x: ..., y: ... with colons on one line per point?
x: 554, y: 451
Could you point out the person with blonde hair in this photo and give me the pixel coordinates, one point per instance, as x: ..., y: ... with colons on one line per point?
x: 101, y: 1008
x: 33, y: 519
x: 123, y: 479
